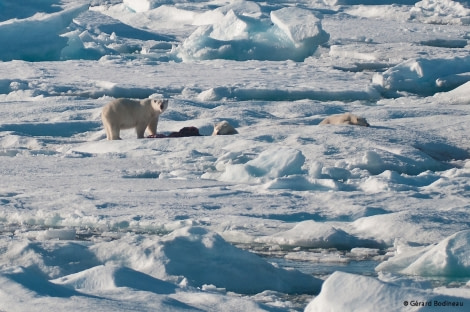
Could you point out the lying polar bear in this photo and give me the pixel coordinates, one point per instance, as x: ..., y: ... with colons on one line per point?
x: 126, y: 114
x: 345, y: 119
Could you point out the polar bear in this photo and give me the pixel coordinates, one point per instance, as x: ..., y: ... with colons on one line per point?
x: 345, y: 119
x: 126, y: 113
x: 224, y: 128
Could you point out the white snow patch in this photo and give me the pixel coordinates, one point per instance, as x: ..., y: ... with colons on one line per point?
x: 295, y: 35
x: 203, y: 258
x: 441, y: 12
x: 300, y: 26
x: 458, y: 95
x: 365, y: 293
x: 270, y: 164
x: 311, y: 234
x: 37, y: 38
x: 449, y: 258
x: 422, y: 76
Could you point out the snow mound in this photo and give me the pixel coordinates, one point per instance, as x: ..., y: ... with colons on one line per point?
x: 50, y: 258
x: 148, y: 5
x: 449, y: 258
x: 424, y: 76
x: 290, y: 33
x: 408, y: 160
x: 445, y: 12
x: 271, y: 164
x: 13, y: 9
x: 16, y: 142
x: 441, y: 12
x: 109, y: 277
x: 60, y: 234
x: 391, y: 180
x: 311, y: 234
x: 457, y: 96
x: 392, y: 226
x: 369, y: 2
x: 302, y: 183
x: 350, y: 292
x: 202, y: 258
x: 216, y: 262
x: 142, y: 5
x: 37, y: 38
x: 301, y: 26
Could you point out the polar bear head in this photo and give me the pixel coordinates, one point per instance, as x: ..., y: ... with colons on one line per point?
x: 159, y: 105
x: 224, y: 128
x: 360, y: 121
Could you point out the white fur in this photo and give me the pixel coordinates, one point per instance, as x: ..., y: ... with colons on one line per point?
x: 345, y: 119
x: 224, y: 128
x: 126, y: 114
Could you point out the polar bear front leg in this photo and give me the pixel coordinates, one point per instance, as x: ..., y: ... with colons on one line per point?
x: 152, y: 126
x: 140, y: 129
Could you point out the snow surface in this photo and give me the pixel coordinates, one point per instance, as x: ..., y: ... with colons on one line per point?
x: 286, y: 215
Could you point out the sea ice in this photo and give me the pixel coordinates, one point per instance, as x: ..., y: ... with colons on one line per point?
x: 231, y: 27
x: 37, y: 38
x: 420, y: 76
x: 449, y: 258
x: 142, y: 5
x: 458, y: 95
x: 441, y: 12
x: 87, y: 224
x: 203, y: 257
x: 301, y: 26
x: 270, y: 164
x: 295, y: 35
x: 110, y: 277
x: 362, y: 293
x: 311, y: 234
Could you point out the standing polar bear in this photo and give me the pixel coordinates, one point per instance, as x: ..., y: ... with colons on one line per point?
x: 345, y: 119
x: 126, y: 114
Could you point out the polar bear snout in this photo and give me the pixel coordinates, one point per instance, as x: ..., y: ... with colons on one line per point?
x: 360, y: 121
x: 160, y: 105
x: 363, y: 122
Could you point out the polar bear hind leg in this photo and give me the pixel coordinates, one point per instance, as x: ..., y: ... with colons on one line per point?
x: 112, y: 132
x: 108, y: 131
x: 115, y: 131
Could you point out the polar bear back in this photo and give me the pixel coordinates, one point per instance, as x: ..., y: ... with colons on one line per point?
x: 128, y: 113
